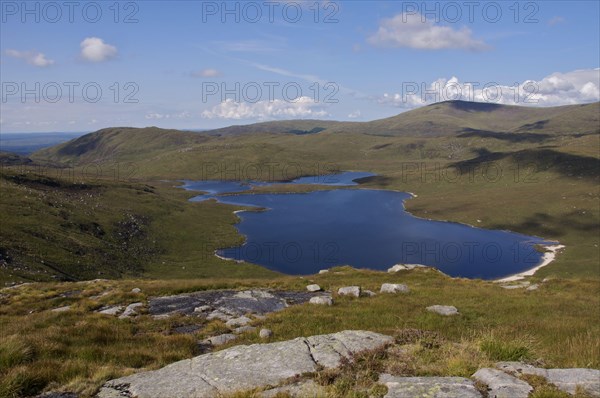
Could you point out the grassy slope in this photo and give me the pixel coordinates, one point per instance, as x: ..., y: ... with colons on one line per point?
x: 56, y: 228
x: 79, y: 350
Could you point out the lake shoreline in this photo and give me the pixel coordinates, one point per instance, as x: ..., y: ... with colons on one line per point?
x: 547, y: 258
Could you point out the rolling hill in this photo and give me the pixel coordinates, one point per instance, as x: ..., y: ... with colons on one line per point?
x: 446, y: 119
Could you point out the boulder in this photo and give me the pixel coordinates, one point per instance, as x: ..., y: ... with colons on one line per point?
x: 114, y: 310
x: 353, y: 291
x: 131, y: 310
x: 502, y: 385
x: 220, y: 339
x: 321, y: 300
x: 369, y: 293
x: 396, y: 268
x: 323, y: 271
x: 446, y: 310
x: 313, y: 288
x: 394, y: 288
x: 136, y: 290
x: 265, y: 333
x: 244, y: 329
x: 244, y: 367
x: 430, y: 387
x: 236, y: 322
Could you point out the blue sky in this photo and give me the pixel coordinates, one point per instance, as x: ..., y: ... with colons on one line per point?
x: 170, y: 62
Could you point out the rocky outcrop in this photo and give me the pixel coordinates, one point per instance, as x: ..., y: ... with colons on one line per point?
x: 244, y: 367
x: 430, y: 387
x: 226, y: 304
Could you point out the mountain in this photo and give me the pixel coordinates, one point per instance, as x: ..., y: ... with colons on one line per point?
x: 456, y: 117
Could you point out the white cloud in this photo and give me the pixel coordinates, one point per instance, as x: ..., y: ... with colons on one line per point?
x: 414, y: 31
x: 206, y: 73
x: 303, y: 107
x: 94, y: 49
x: 158, y: 116
x: 354, y: 115
x: 576, y: 87
x: 31, y: 57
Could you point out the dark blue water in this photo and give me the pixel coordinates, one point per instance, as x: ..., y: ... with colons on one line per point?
x: 304, y: 233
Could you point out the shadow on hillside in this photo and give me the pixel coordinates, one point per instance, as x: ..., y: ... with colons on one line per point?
x: 511, y: 137
x: 539, y: 125
x: 474, y: 106
x: 382, y: 181
x: 547, y: 226
x: 566, y: 164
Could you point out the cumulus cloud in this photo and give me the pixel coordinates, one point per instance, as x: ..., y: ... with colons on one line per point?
x: 31, y: 57
x: 302, y: 107
x: 576, y: 87
x: 206, y: 73
x: 94, y: 49
x: 414, y: 31
x: 354, y: 115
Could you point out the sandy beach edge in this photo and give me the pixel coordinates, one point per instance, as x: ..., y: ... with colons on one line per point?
x: 547, y: 258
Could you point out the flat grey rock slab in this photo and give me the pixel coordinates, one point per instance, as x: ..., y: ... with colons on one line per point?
x: 566, y: 380
x: 446, y: 310
x: 429, y: 387
x: 303, y: 389
x: 231, y: 303
x: 244, y: 367
x: 501, y: 384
